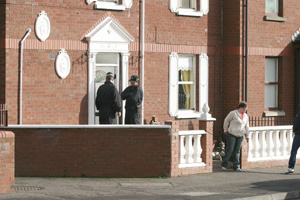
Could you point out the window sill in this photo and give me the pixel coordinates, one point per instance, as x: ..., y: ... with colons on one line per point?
x: 189, y: 12
x: 274, y: 18
x: 274, y: 113
x: 187, y: 114
x: 108, y: 6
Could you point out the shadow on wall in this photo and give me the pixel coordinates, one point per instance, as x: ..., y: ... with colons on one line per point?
x: 83, y: 113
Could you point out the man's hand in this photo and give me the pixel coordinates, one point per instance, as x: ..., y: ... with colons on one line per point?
x: 225, y: 132
x: 119, y: 114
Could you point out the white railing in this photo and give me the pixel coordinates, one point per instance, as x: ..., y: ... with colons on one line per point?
x: 270, y: 143
x: 190, y: 148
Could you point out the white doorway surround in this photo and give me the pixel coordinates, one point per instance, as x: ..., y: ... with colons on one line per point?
x: 107, y: 37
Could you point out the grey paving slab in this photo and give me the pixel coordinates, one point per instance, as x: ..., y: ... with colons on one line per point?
x: 252, y: 184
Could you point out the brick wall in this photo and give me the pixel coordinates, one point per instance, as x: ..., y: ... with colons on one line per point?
x: 2, y: 54
x: 260, y: 164
x: 93, y: 152
x: 56, y: 101
x: 206, y: 144
x: 82, y: 151
x: 7, y: 161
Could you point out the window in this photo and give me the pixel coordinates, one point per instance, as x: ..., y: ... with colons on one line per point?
x: 274, y: 10
x: 271, y: 83
x: 111, y: 4
x: 196, y: 8
x: 187, y: 4
x: 182, y: 85
x: 272, y: 6
x: 186, y: 83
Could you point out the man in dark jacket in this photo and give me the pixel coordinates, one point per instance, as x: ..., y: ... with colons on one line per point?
x: 108, y: 101
x: 134, y: 97
x: 296, y: 144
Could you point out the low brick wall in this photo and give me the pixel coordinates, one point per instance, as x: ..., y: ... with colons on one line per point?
x: 100, y: 151
x: 104, y: 151
x: 207, y: 147
x: 260, y: 164
x: 7, y: 161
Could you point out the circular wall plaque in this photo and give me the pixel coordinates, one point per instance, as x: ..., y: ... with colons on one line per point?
x: 63, y: 64
x: 42, y: 26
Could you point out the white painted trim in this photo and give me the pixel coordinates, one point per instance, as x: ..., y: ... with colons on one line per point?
x: 108, y: 5
x: 192, y: 132
x: 111, y: 5
x: 202, y: 164
x: 91, y: 88
x: 272, y: 128
x: 274, y: 113
x: 189, y: 12
x: 204, y: 8
x: 184, y: 114
x: 91, y: 126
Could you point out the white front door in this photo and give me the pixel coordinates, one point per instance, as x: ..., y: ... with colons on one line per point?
x: 106, y: 62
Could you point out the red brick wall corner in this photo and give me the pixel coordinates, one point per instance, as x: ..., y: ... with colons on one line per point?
x: 7, y: 161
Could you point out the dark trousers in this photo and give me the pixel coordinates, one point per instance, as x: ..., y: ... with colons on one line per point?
x: 106, y: 120
x: 132, y: 117
x: 295, y: 147
x: 233, y: 144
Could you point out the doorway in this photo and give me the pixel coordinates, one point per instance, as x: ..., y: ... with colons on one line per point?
x: 106, y: 62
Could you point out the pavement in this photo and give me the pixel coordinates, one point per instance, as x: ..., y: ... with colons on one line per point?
x: 250, y: 184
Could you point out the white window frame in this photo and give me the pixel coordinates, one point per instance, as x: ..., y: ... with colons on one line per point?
x: 174, y: 83
x: 274, y: 83
x: 108, y: 5
x: 184, y: 113
x: 204, y: 8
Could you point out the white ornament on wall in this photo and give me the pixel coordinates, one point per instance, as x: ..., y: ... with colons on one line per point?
x: 63, y: 64
x: 42, y: 26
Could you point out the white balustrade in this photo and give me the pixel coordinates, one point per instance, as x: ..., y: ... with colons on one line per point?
x: 190, y: 148
x: 270, y: 143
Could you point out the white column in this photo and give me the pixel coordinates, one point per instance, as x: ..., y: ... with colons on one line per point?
x: 125, y: 59
x: 182, y: 150
x: 256, y: 144
x: 203, y: 86
x: 250, y: 151
x: 91, y: 88
x: 263, y: 144
x: 270, y: 144
x: 198, y: 149
x: 283, y: 142
x: 276, y: 143
x: 189, y: 149
x: 289, y: 140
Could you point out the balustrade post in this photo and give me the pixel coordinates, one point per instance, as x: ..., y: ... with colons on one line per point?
x: 283, y: 142
x: 250, y: 143
x: 277, y: 143
x: 289, y: 140
x: 182, y: 150
x: 256, y: 145
x: 263, y: 144
x: 198, y: 149
x: 270, y: 144
x: 189, y: 149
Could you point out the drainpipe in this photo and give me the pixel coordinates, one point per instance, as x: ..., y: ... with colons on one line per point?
x: 143, y: 56
x: 246, y: 52
x: 21, y: 73
x: 221, y: 72
x: 296, y: 92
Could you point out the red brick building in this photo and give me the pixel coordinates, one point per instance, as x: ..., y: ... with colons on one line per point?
x: 190, y: 54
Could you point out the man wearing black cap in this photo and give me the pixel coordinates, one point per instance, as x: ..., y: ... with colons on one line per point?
x: 133, y: 95
x: 108, y: 101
